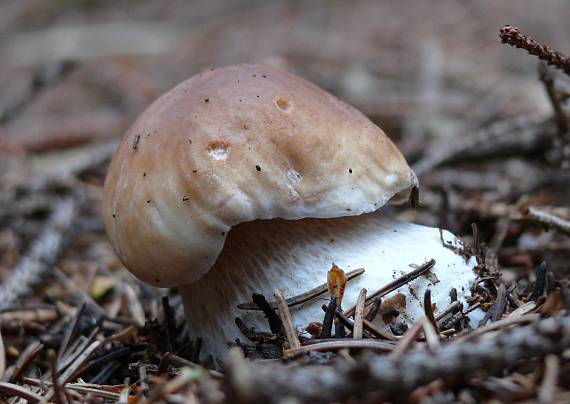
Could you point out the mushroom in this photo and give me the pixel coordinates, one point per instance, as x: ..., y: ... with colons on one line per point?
x: 247, y: 178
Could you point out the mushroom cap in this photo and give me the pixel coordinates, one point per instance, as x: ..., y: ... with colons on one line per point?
x: 232, y: 145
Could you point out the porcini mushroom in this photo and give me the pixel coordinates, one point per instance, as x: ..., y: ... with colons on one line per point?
x: 247, y: 178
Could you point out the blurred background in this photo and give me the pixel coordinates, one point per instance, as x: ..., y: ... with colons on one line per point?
x: 417, y: 68
x: 434, y: 75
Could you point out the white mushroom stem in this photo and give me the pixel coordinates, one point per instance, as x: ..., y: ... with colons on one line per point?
x: 294, y: 256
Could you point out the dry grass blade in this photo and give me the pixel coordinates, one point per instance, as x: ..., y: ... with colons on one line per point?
x: 341, y: 344
x: 58, y: 392
x: 497, y: 325
x: 547, y: 389
x: 449, y: 309
x: 135, y: 308
x: 358, y: 315
x: 549, y: 219
x: 428, y: 310
x: 500, y: 303
x: 178, y: 361
x: 286, y: 319
x: 369, y: 329
x: 378, y: 332
x: 431, y: 334
x: 13, y: 390
x: 349, y: 323
x: 29, y: 315
x: 303, y: 297
x: 74, y: 367
x: 24, y: 361
x: 71, y: 330
x: 83, y: 388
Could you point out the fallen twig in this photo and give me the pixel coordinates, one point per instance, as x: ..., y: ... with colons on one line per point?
x: 342, y: 344
x: 548, y: 80
x: 512, y: 136
x: 358, y: 313
x: 330, y: 311
x: 428, y: 309
x: 17, y: 391
x: 512, y: 36
x: 549, y: 219
x: 41, y: 255
x: 503, y: 323
x: 403, y: 374
x: 303, y: 297
x: 547, y: 388
x: 275, y: 324
x: 500, y: 302
x: 286, y: 320
x: 398, y: 283
x: 369, y: 329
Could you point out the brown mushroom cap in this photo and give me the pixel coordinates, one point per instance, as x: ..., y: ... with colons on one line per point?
x: 232, y: 145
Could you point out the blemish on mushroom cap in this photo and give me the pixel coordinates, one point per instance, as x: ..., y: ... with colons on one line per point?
x: 284, y: 104
x: 294, y: 176
x: 236, y: 175
x: 218, y: 150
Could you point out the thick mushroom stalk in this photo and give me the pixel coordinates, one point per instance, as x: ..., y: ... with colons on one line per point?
x: 295, y: 256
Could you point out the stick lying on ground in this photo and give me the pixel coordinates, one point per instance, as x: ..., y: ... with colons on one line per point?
x: 401, y: 374
x: 42, y: 253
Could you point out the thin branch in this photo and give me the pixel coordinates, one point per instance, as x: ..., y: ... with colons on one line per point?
x: 341, y: 344
x: 548, y: 80
x: 512, y: 36
x: 58, y: 389
x: 358, y: 313
x: 398, y: 283
x: 272, y: 318
x: 428, y: 309
x: 330, y: 310
x: 303, y: 297
x: 403, y: 374
x: 286, y: 320
x: 17, y: 391
x: 549, y: 219
x: 42, y: 254
x: 74, y: 367
x: 369, y: 330
x: 509, y: 137
x: 547, y: 389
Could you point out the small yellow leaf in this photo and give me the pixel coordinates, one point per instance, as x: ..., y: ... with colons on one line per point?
x: 336, y: 281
